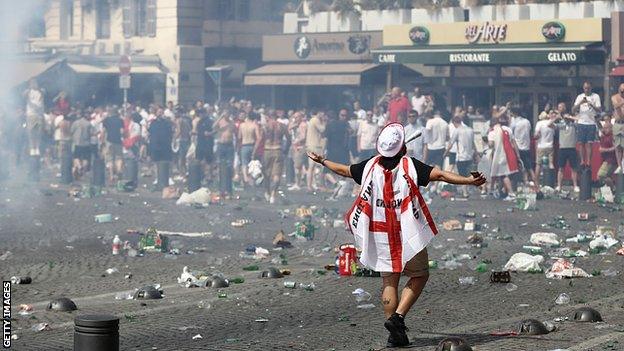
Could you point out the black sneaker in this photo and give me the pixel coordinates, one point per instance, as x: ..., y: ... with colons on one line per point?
x: 396, y: 326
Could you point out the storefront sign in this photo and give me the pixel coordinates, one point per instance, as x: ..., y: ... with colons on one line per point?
x: 486, y: 33
x: 419, y: 35
x: 498, y: 32
x: 302, y: 47
x: 469, y: 58
x: 490, y: 57
x: 553, y: 31
x: 568, y: 57
x: 320, y: 47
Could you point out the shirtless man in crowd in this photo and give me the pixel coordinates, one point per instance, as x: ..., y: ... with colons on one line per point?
x: 273, y: 134
x: 249, y: 137
x: 225, y: 136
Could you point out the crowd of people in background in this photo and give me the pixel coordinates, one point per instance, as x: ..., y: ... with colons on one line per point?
x: 235, y: 139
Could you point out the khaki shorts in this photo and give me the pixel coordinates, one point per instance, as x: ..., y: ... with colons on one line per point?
x: 299, y: 157
x: 113, y: 152
x: 618, y: 135
x: 273, y: 163
x: 548, y: 152
x: 605, y: 170
x: 417, y: 267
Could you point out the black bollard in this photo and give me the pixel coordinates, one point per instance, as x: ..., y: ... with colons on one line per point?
x: 549, y: 177
x: 96, y: 333
x: 34, y: 166
x: 619, y: 186
x: 66, y: 163
x: 162, y: 168
x: 98, y: 176
x: 131, y: 171
x: 195, y: 176
x: 585, y: 184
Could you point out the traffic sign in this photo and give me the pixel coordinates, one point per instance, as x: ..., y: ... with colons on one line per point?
x: 124, y: 81
x: 124, y: 65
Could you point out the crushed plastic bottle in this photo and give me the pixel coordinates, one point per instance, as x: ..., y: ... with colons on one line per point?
x: 511, y: 287
x: 451, y: 265
x: 124, y: 296
x: 482, y: 267
x: 466, y: 280
x: 366, y: 306
x: 609, y: 272
x: 40, y: 326
x: 562, y: 299
x: 361, y: 295
x: 308, y: 287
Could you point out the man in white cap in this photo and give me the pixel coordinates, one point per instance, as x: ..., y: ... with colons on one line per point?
x: 391, y: 222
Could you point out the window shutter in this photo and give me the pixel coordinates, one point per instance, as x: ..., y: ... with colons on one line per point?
x: 127, y: 18
x: 151, y: 18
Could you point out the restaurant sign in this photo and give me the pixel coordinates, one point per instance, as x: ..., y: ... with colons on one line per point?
x: 486, y: 32
x: 467, y: 56
x: 319, y: 47
x: 497, y: 32
x: 419, y: 35
x: 553, y: 31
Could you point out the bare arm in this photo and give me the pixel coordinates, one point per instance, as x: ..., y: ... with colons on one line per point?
x: 606, y: 149
x: 438, y: 175
x: 258, y: 134
x: 338, y: 168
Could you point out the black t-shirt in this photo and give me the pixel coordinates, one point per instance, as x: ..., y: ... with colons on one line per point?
x: 160, y: 134
x: 113, y: 126
x: 423, y: 170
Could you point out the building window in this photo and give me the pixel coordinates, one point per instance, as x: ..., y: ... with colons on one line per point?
x: 139, y: 18
x: 227, y: 9
x: 67, y: 19
x: 103, y: 19
x: 242, y: 11
x: 36, y: 26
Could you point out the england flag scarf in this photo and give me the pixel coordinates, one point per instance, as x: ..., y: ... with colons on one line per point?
x: 390, y: 219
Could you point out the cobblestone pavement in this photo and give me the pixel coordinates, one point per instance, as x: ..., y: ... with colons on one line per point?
x: 54, y: 239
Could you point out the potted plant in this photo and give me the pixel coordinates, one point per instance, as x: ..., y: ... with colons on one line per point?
x: 437, y: 11
x: 344, y: 16
x: 318, y: 20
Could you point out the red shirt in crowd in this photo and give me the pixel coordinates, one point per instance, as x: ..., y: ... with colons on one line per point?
x: 606, y: 141
x: 397, y: 106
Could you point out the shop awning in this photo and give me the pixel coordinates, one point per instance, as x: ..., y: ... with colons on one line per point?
x: 112, y: 69
x: 308, y: 74
x: 501, y: 54
x: 25, y: 70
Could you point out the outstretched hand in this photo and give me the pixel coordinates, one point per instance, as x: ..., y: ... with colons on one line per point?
x: 477, y: 178
x: 315, y: 157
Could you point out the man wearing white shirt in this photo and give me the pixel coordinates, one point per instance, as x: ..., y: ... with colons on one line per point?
x: 521, y: 128
x: 586, y: 106
x: 545, y: 134
x: 463, y: 142
x: 419, y: 101
x: 415, y: 148
x: 359, y: 112
x: 378, y: 116
x: 436, y: 135
x: 367, y: 137
x: 452, y: 153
